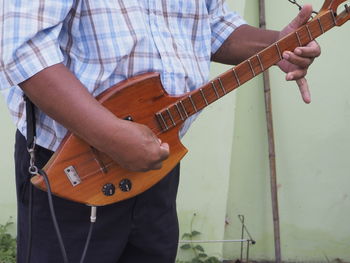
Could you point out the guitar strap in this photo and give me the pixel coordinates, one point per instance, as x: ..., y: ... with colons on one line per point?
x: 31, y: 124
x: 31, y: 133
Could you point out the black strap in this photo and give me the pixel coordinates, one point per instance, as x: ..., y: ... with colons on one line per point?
x: 31, y: 129
x: 31, y: 133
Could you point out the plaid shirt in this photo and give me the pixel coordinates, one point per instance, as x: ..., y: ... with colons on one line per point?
x: 105, y: 42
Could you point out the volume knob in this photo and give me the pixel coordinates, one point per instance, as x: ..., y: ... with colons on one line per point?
x: 125, y: 185
x: 108, y: 189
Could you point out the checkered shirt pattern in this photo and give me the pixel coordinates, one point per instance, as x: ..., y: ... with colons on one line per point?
x: 105, y: 42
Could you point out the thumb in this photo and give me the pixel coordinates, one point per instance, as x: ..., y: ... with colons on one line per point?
x: 165, y: 146
x: 164, y: 151
x: 301, y: 18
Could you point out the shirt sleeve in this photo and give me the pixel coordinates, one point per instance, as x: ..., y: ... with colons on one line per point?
x: 223, y: 23
x: 29, y: 32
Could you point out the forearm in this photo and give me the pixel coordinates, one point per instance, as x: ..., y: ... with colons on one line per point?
x: 244, y: 42
x: 58, y: 93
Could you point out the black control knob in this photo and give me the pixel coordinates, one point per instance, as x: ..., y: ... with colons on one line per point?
x: 128, y: 118
x: 108, y: 189
x: 125, y: 185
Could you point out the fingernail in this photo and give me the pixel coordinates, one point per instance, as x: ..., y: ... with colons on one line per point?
x: 307, y: 100
x: 286, y: 55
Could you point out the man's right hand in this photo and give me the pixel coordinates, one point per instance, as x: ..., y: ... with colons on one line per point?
x: 131, y: 145
x: 137, y: 148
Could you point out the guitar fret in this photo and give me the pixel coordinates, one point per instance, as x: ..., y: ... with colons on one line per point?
x: 278, y: 50
x: 205, y: 99
x: 222, y: 86
x: 215, y: 90
x: 236, y: 76
x: 171, y: 116
x: 299, y: 41
x: 194, y: 102
x: 334, y: 20
x: 320, y: 24
x: 261, y: 64
x: 309, y: 32
x: 161, y: 119
x: 183, y: 108
x: 194, y: 106
x: 251, y: 67
x: 178, y: 110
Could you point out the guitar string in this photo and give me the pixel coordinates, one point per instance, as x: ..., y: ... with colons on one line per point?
x: 294, y: 2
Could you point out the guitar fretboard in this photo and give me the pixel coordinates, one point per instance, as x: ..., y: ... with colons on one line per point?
x: 197, y: 100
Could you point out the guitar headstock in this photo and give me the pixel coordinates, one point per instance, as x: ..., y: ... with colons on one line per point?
x: 335, y: 5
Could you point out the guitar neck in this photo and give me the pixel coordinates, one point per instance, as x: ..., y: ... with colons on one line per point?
x: 200, y: 98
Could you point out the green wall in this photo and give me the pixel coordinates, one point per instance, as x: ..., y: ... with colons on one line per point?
x: 312, y: 149
x: 226, y: 171
x: 7, y: 188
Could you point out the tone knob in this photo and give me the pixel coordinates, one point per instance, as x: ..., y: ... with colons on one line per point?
x: 108, y: 189
x: 125, y: 185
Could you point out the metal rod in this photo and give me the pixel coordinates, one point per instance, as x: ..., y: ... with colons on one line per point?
x: 215, y: 241
x: 241, y: 218
x: 247, y: 255
x: 271, y: 143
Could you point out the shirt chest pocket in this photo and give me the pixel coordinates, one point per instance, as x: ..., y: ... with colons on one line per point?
x: 108, y: 32
x: 188, y: 22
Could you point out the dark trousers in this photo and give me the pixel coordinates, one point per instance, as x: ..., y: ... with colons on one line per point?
x: 142, y: 229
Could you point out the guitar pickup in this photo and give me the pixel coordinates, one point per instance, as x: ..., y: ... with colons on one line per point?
x: 72, y: 175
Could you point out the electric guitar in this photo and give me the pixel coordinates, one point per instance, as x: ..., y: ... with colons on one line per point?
x: 80, y: 173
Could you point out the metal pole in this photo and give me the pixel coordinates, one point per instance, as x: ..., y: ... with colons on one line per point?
x: 241, y: 217
x: 215, y: 241
x: 271, y: 143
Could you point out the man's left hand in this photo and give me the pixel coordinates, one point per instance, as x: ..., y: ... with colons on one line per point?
x: 296, y: 63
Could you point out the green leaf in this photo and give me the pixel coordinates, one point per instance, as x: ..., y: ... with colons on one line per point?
x: 212, y: 260
x: 202, y: 255
x: 196, y: 260
x: 186, y: 235
x: 185, y: 246
x: 195, y: 233
x: 199, y: 248
x: 7, y: 245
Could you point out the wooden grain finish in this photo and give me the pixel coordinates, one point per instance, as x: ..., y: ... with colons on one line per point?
x: 139, y: 98
x: 144, y: 100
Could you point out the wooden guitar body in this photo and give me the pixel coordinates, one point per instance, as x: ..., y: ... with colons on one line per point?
x: 101, y: 179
